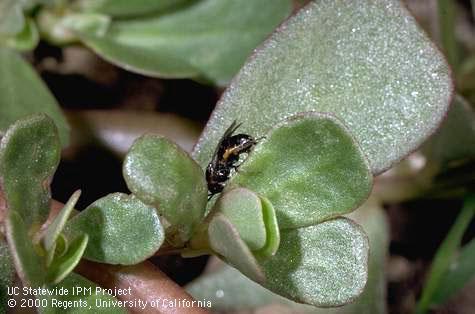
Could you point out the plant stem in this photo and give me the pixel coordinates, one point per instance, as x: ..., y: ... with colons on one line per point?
x: 146, y: 282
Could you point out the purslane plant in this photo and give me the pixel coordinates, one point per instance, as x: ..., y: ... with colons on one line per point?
x: 338, y: 93
x: 199, y: 39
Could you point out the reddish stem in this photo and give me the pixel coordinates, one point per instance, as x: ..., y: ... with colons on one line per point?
x: 146, y: 282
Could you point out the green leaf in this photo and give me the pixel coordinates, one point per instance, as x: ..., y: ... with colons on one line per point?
x: 445, y: 255
x: 96, y: 24
x: 29, y: 155
x: 460, y: 272
x: 27, y: 39
x: 121, y: 229
x: 209, y: 38
x: 447, y: 11
x: 455, y: 140
x: 62, y: 266
x: 127, y: 8
x: 367, y: 62
x: 12, y: 19
x: 7, y: 274
x: 229, y: 290
x: 29, y: 266
x: 23, y: 93
x: 224, y: 239
x: 58, y: 250
x: 243, y: 209
x: 161, y: 174
x: 87, y: 300
x: 309, y: 168
x: 323, y: 265
x: 55, y: 228
x: 372, y: 218
x: 272, y: 230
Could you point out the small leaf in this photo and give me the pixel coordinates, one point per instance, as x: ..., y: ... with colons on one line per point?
x: 208, y: 38
x: 59, y: 249
x: 127, y: 8
x: 11, y: 17
x: 243, y: 209
x: 121, y: 229
x: 61, y: 245
x: 309, y: 168
x: 27, y: 39
x: 91, y: 297
x: 455, y: 139
x: 28, y: 264
x: 96, y: 24
x: 22, y: 93
x: 7, y: 274
x: 29, y: 155
x: 161, y: 174
x: 229, y: 290
x: 322, y: 265
x: 445, y: 255
x: 65, y: 264
x: 272, y: 230
x: 367, y: 62
x: 224, y: 239
x: 55, y: 228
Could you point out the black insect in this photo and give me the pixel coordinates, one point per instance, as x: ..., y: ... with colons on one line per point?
x: 226, y: 158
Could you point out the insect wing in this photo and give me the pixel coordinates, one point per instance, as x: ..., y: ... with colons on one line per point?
x: 231, y: 129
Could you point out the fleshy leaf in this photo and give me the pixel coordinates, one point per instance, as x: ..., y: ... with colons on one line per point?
x: 57, y: 250
x: 96, y: 24
x: 29, y: 155
x: 224, y: 239
x: 27, y: 39
x: 208, y: 38
x: 63, y: 265
x: 55, y: 228
x: 23, y: 93
x: 367, y: 62
x: 11, y: 17
x: 29, y: 266
x: 272, y: 230
x: 322, y: 265
x: 7, y: 274
x: 127, y: 8
x: 161, y: 174
x: 89, y: 298
x: 455, y: 139
x: 125, y: 231
x: 229, y: 290
x: 243, y: 209
x: 309, y: 168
